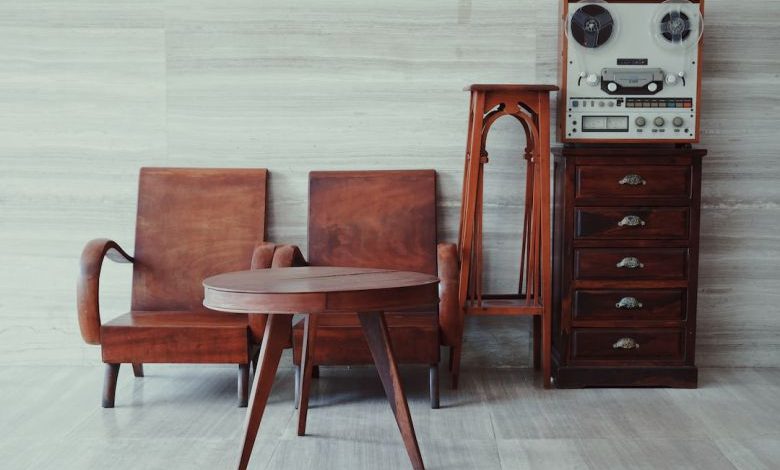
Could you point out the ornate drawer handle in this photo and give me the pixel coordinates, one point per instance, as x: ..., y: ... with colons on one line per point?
x: 629, y: 303
x: 632, y: 180
x: 631, y: 221
x: 629, y: 262
x: 626, y: 343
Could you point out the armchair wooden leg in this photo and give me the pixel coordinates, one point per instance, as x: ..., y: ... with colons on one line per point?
x: 109, y: 385
x: 455, y: 365
x: 433, y: 378
x: 254, y: 360
x: 138, y: 369
x: 243, y: 385
x: 307, y: 366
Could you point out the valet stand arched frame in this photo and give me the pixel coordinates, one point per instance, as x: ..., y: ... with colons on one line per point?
x: 530, y: 105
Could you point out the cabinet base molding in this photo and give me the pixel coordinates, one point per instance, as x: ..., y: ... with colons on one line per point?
x: 583, y: 377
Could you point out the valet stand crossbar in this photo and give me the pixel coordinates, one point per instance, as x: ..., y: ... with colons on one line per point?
x: 530, y: 105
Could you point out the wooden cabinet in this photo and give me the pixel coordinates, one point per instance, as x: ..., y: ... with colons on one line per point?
x: 626, y: 241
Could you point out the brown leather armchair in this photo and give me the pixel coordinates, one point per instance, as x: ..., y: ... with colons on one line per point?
x: 191, y: 224
x: 380, y: 219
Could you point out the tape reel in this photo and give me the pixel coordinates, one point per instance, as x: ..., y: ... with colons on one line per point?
x: 677, y: 26
x: 591, y: 25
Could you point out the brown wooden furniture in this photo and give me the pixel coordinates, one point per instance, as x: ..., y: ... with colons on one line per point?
x: 380, y: 219
x: 530, y: 105
x: 191, y: 223
x: 626, y: 260
x: 322, y: 292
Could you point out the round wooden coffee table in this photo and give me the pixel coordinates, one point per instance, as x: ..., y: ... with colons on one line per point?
x: 282, y: 292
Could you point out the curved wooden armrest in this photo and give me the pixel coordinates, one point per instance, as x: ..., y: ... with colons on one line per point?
x: 270, y: 255
x: 87, y: 288
x: 450, y: 317
x: 288, y: 256
x: 263, y: 255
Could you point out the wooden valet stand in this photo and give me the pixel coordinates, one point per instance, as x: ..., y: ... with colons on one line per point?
x: 530, y: 105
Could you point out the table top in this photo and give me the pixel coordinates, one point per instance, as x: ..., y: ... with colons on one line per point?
x: 315, y: 289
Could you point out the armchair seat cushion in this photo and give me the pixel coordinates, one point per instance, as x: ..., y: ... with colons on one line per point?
x: 176, y: 337
x: 340, y: 340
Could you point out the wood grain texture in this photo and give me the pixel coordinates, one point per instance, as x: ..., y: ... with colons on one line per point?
x: 296, y: 284
x: 92, y: 90
x: 375, y: 329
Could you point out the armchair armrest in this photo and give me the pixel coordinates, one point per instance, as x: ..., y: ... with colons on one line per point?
x: 450, y: 315
x: 287, y: 256
x: 88, y: 282
x: 263, y: 255
x: 270, y: 255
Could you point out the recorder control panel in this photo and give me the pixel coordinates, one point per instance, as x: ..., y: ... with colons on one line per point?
x: 628, y: 118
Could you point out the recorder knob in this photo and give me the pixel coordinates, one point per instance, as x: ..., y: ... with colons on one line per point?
x: 592, y: 79
x: 652, y: 87
x: 659, y: 121
x: 640, y: 121
x: 612, y: 87
x: 671, y: 79
x: 678, y: 121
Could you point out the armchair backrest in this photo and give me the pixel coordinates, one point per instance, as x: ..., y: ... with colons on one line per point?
x: 191, y: 224
x: 376, y: 219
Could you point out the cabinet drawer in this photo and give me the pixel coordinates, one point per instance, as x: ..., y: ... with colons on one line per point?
x: 629, y: 304
x: 666, y: 181
x: 611, y: 223
x: 630, y: 263
x: 614, y: 344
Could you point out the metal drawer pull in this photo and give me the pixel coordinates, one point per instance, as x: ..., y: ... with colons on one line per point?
x: 629, y: 303
x: 631, y: 221
x: 626, y: 343
x: 633, y: 180
x: 629, y: 262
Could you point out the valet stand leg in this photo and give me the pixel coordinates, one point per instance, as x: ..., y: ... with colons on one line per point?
x: 378, y: 338
x: 277, y: 333
x: 471, y: 177
x: 546, y: 228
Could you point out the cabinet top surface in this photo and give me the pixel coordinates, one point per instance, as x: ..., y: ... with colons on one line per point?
x: 509, y: 87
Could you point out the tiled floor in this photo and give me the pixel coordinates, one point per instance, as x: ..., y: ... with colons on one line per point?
x: 186, y: 417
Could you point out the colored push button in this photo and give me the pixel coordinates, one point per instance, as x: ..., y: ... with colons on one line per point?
x: 687, y: 104
x: 575, y: 104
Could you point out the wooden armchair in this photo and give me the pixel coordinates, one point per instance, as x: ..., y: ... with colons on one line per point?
x: 378, y: 219
x: 191, y: 224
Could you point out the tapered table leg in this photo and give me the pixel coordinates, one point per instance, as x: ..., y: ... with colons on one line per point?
x: 309, y: 333
x: 375, y: 330
x: 277, y: 333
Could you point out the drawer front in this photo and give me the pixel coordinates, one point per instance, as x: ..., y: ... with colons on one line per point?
x: 630, y: 263
x: 629, y: 305
x: 611, y: 223
x: 614, y: 344
x: 664, y: 181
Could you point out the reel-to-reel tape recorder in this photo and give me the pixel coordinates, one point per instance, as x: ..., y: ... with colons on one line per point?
x: 630, y: 71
